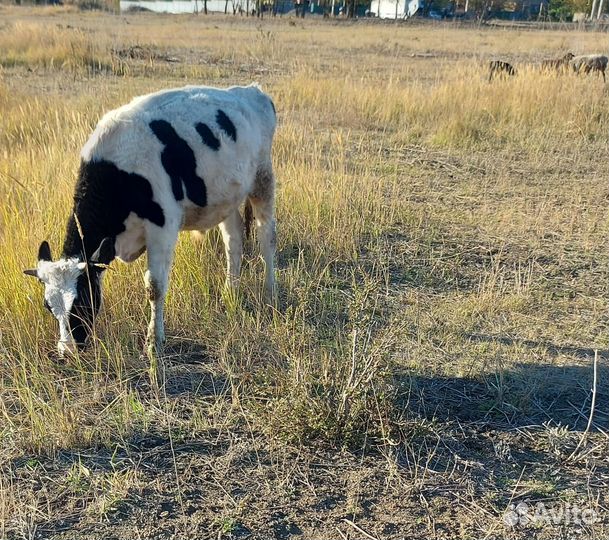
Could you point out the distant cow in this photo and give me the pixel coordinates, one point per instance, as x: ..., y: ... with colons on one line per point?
x: 557, y: 64
x: 499, y: 67
x: 181, y: 159
x: 590, y: 62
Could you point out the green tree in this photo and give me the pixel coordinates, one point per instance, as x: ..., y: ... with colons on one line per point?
x: 560, y: 10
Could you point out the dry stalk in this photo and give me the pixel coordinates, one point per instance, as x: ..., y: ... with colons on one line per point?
x: 584, y: 436
x: 359, y: 529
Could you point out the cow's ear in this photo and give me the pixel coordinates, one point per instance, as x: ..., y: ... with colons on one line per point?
x: 44, y: 252
x: 104, y: 254
x: 31, y: 272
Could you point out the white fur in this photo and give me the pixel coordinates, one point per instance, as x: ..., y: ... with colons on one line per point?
x: 128, y: 245
x: 59, y: 280
x: 123, y: 136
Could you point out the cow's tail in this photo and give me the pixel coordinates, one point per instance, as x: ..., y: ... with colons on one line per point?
x: 248, y: 218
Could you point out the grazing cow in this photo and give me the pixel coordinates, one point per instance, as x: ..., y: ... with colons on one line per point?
x: 590, y: 62
x: 557, y: 64
x: 181, y: 159
x: 499, y: 67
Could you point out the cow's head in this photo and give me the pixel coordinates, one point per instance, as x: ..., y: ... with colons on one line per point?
x: 72, y: 291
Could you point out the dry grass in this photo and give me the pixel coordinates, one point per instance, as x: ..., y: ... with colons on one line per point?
x: 37, y: 45
x: 442, y: 266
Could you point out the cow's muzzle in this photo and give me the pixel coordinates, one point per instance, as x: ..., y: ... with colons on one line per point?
x: 70, y: 347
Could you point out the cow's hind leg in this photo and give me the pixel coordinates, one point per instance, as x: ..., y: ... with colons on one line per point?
x: 160, y: 245
x: 262, y: 200
x: 232, y: 234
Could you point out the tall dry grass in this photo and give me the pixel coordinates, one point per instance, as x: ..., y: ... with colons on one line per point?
x: 37, y: 45
x: 534, y: 111
x: 382, y: 261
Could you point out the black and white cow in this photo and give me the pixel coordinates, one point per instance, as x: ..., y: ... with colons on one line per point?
x: 181, y: 159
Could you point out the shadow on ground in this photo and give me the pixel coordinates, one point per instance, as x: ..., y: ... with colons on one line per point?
x: 523, y: 395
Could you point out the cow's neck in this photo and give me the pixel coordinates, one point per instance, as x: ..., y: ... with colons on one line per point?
x: 88, y: 223
x: 82, y: 237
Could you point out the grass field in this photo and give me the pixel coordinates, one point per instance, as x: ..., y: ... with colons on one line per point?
x: 443, y: 270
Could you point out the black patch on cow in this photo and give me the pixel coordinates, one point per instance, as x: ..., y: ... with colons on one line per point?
x: 179, y: 161
x: 86, y: 305
x: 105, y: 196
x: 208, y: 136
x: 226, y: 124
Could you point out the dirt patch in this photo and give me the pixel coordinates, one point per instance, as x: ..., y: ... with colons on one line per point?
x: 238, y: 485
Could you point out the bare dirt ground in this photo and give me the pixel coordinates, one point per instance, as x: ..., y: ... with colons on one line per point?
x: 448, y: 481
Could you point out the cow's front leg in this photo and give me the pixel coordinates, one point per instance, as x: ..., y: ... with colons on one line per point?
x: 160, y: 256
x: 156, y: 287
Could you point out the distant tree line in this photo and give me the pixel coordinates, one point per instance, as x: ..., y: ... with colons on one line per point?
x: 551, y: 10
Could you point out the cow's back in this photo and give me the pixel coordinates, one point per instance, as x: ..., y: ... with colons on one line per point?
x: 219, y: 136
